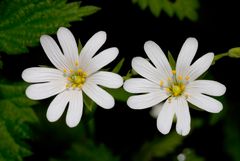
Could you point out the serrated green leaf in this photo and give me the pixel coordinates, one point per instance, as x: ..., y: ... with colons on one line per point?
x: 24, y: 21
x: 15, y: 116
x: 186, y: 8
x: 155, y: 7
x: 118, y: 67
x: 159, y: 147
x: 181, y: 8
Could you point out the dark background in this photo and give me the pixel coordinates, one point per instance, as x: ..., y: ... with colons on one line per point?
x: 124, y: 130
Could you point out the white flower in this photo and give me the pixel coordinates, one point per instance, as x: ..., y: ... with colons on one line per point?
x: 176, y: 86
x: 74, y: 74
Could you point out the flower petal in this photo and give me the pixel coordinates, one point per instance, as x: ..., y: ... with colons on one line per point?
x: 186, y: 56
x: 183, y: 117
x: 106, y: 79
x: 205, y: 102
x: 98, y: 95
x: 75, y: 109
x: 146, y: 100
x: 140, y: 85
x: 54, y: 53
x: 154, y: 112
x: 91, y: 47
x: 57, y: 106
x: 156, y: 55
x: 165, y: 117
x: 145, y: 69
x: 41, y: 74
x: 68, y: 44
x: 200, y: 66
x: 102, y: 59
x: 208, y: 87
x: 45, y: 90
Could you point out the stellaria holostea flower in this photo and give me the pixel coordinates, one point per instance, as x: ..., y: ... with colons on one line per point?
x: 176, y: 86
x: 74, y: 74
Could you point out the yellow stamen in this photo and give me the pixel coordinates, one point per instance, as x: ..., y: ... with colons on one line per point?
x: 169, y: 79
x: 168, y: 89
x: 179, y: 77
x: 84, y: 74
x: 187, y: 78
x: 161, y: 83
x: 74, y: 85
x: 173, y: 71
x: 68, y: 85
x: 80, y: 70
x: 182, y: 87
x: 71, y: 71
x: 76, y: 63
x: 176, y: 90
x: 64, y: 70
x: 69, y: 79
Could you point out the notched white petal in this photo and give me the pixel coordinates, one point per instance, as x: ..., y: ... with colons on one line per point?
x: 208, y: 87
x: 41, y: 74
x: 75, y: 109
x: 98, y: 95
x: 205, y: 102
x: 57, y: 106
x: 183, y: 117
x: 145, y: 69
x: 146, y: 100
x: 68, y: 44
x: 140, y: 85
x: 165, y: 117
x: 106, y: 79
x: 45, y: 90
x: 91, y: 47
x: 156, y: 55
x: 186, y: 56
x: 53, y: 52
x: 102, y: 59
x: 200, y: 66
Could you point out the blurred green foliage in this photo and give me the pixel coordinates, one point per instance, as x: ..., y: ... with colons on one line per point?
x: 88, y: 151
x: 22, y: 22
x: 15, y: 116
x: 181, y: 8
x: 159, y: 147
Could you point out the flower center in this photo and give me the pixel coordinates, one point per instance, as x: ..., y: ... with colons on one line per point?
x: 175, y: 86
x: 76, y: 78
x: 177, y: 89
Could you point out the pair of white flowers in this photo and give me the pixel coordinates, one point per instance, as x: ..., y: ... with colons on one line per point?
x: 77, y: 73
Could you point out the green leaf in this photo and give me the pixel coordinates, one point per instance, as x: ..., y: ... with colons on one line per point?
x: 155, y: 7
x: 118, y: 67
x: 171, y: 60
x: 159, y: 147
x: 90, y: 105
x: 181, y: 8
x: 24, y: 21
x: 79, y: 46
x: 186, y: 8
x: 15, y: 116
x: 119, y: 94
